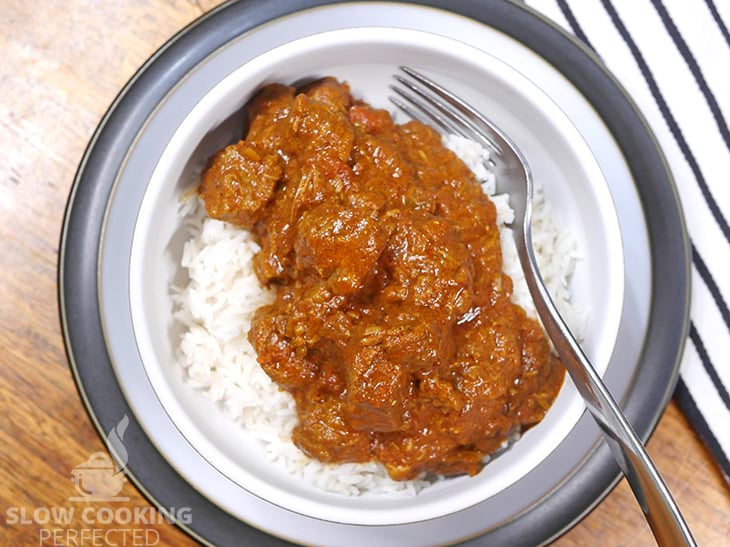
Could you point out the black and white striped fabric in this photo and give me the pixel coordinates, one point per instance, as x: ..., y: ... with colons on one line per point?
x: 673, y: 57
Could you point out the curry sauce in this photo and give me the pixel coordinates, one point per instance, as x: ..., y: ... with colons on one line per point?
x: 392, y: 326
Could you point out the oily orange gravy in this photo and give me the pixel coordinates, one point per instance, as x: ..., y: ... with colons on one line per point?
x: 392, y: 326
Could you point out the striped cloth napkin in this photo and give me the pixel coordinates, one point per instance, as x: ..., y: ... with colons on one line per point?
x: 673, y: 57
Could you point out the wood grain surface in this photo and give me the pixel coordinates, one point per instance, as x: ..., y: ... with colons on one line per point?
x: 62, y: 65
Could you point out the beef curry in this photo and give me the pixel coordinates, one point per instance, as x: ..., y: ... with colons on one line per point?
x: 392, y: 325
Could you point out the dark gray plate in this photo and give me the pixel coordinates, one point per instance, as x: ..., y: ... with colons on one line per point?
x: 644, y: 398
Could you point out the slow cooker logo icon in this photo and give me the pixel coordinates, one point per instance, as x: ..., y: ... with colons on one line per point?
x: 99, y: 478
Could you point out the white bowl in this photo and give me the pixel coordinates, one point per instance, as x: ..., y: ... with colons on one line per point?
x: 367, y: 58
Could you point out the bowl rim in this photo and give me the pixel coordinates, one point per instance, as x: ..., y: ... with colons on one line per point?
x: 78, y: 253
x: 189, y: 130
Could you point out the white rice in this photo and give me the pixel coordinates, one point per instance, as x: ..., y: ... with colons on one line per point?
x: 218, y: 302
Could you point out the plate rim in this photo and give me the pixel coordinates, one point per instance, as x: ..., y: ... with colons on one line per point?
x: 68, y: 290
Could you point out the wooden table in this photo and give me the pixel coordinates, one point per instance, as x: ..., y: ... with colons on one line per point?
x: 63, y: 63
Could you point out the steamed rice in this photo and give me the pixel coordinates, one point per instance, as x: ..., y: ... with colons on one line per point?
x: 222, y: 294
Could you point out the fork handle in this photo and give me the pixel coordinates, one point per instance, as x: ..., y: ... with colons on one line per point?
x: 660, y: 509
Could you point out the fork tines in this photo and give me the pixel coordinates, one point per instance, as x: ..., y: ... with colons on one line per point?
x: 429, y: 103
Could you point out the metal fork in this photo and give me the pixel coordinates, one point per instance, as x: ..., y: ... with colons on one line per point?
x: 424, y: 100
